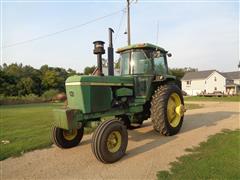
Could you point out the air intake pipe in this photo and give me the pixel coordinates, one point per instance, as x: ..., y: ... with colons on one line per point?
x: 110, y: 53
x: 99, y: 51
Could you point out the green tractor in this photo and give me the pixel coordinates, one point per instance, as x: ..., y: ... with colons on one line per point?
x: 144, y: 89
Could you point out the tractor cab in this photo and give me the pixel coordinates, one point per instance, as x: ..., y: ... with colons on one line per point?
x: 145, y: 63
x: 143, y: 59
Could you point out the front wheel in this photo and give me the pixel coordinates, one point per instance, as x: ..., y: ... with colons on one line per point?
x: 67, y: 138
x: 110, y: 141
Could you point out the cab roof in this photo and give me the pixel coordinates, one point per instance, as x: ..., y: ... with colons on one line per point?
x: 140, y: 46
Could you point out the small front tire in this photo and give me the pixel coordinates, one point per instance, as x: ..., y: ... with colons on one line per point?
x: 67, y: 138
x: 109, y: 142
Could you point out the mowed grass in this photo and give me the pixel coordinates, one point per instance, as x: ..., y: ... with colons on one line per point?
x: 190, y: 106
x: 201, y: 98
x: 26, y: 127
x: 218, y: 158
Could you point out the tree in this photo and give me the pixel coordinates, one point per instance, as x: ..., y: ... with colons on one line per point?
x: 19, y: 80
x: 49, y: 80
x: 117, y: 65
x: 71, y: 72
x: 180, y: 72
x: 25, y: 86
x: 89, y: 70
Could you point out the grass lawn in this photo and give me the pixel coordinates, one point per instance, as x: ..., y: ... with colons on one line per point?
x: 189, y: 106
x: 227, y: 98
x: 218, y: 158
x: 26, y: 127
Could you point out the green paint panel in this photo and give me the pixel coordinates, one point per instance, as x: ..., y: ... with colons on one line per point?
x: 134, y: 108
x: 67, y: 118
x: 79, y: 97
x: 101, y: 79
x: 101, y: 98
x: 124, y: 92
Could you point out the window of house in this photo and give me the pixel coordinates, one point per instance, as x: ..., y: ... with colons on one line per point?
x: 215, y: 88
x: 215, y: 78
x: 188, y: 82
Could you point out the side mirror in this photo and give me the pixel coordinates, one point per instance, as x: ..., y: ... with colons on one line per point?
x: 169, y: 54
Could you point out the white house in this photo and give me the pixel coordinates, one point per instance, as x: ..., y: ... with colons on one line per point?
x: 193, y: 83
x: 233, y: 82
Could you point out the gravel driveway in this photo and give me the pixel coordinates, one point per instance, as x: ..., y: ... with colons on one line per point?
x: 147, y: 151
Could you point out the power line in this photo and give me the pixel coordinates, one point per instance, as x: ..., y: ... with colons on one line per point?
x: 120, y: 25
x: 63, y: 30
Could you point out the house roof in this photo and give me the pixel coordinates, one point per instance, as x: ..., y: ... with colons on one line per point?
x: 205, y: 74
x: 197, y: 75
x: 232, y: 75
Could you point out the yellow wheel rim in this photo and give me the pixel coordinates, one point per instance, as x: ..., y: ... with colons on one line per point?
x: 114, y: 141
x: 175, y: 109
x: 69, y: 135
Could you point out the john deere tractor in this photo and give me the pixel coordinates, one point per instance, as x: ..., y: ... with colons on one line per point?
x: 144, y: 89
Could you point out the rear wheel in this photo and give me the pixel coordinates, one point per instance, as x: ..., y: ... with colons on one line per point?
x: 167, y: 109
x: 66, y: 138
x: 110, y: 141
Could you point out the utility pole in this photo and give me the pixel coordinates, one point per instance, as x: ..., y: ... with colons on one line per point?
x: 128, y: 23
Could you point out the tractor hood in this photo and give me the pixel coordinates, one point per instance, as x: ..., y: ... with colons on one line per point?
x: 93, y: 93
x: 100, y: 81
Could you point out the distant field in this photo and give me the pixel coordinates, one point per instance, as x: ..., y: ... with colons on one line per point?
x: 28, y: 127
x: 227, y: 99
x: 218, y: 158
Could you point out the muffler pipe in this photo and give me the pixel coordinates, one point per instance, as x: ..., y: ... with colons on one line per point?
x: 110, y: 53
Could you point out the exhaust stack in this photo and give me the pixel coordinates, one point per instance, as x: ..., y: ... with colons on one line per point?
x: 99, y: 51
x: 110, y: 53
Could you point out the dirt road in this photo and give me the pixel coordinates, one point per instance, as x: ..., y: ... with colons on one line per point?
x: 147, y: 151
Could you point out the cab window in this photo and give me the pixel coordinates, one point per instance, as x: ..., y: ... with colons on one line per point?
x: 159, y: 65
x: 135, y: 62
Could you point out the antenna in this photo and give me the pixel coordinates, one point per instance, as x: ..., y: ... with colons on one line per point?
x: 157, y: 32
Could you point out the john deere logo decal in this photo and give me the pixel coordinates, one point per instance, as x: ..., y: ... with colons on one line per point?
x: 71, y: 93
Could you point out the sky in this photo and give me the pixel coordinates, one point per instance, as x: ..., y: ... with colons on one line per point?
x: 199, y: 34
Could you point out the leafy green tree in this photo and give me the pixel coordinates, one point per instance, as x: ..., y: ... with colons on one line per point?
x: 89, y: 70
x: 180, y: 72
x: 117, y: 65
x: 25, y: 86
x: 71, y: 72
x: 19, y: 80
x: 49, y: 80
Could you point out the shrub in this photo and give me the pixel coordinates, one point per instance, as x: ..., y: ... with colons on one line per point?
x: 10, y: 100
x: 50, y: 94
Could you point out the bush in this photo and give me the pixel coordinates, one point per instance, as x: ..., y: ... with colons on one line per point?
x: 10, y: 100
x: 50, y: 94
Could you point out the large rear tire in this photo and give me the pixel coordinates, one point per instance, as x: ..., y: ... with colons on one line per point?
x: 109, y: 141
x: 67, y: 138
x: 167, y: 109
